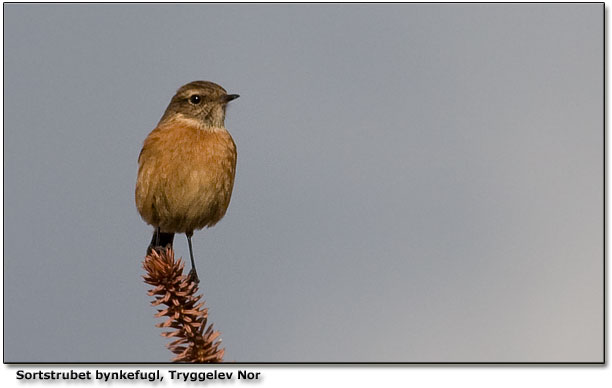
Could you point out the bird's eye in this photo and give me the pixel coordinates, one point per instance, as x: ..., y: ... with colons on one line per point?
x: 195, y: 99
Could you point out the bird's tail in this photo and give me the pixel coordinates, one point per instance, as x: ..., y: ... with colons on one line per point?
x: 160, y: 240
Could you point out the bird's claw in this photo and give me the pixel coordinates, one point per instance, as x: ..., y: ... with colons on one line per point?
x: 193, y: 276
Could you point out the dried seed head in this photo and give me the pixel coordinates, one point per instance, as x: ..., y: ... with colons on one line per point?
x: 197, y: 342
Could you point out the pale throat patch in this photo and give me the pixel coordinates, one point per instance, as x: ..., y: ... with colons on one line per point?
x: 188, y: 121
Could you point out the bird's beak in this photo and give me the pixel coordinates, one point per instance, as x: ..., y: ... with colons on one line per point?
x: 229, y: 97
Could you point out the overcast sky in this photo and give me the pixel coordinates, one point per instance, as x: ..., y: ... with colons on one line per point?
x: 415, y: 182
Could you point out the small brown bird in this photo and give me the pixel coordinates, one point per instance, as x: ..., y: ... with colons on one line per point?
x: 187, y: 166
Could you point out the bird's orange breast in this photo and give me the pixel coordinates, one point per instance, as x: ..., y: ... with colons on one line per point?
x: 185, y: 176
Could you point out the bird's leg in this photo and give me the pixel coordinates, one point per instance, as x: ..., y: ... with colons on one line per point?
x: 154, y: 244
x: 193, y: 274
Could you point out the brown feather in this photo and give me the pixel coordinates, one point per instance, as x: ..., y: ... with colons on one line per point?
x: 185, y: 175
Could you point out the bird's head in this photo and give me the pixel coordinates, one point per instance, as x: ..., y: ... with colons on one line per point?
x: 203, y: 101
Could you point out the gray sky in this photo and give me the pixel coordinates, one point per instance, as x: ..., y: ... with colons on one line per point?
x: 415, y: 182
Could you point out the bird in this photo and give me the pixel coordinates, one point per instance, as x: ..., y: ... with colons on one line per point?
x: 187, y: 166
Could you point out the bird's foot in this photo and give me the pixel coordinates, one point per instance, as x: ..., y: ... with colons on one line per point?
x: 193, y: 276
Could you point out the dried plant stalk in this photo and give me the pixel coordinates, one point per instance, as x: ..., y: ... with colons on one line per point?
x: 195, y: 342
